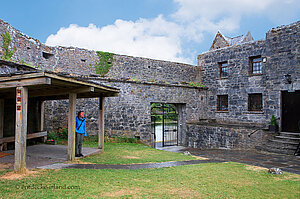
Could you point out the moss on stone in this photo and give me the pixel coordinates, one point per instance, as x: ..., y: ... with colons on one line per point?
x: 7, y: 53
x: 105, y: 62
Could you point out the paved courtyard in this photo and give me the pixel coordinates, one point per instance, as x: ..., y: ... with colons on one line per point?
x: 52, y: 156
x: 287, y: 163
x: 44, y: 154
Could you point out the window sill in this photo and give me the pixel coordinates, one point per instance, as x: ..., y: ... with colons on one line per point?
x: 253, y: 75
x: 222, y: 111
x: 254, y: 112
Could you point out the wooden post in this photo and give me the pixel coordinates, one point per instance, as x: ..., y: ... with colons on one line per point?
x: 21, y: 128
x: 101, y: 124
x: 42, y: 116
x: 71, y: 126
x: 1, y: 117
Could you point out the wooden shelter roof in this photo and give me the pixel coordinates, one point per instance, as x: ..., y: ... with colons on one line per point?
x: 52, y: 86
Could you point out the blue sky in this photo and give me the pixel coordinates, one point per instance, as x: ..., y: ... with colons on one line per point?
x: 176, y: 30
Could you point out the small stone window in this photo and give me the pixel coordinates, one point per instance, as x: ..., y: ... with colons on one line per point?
x: 47, y: 55
x: 256, y: 65
x: 255, y: 102
x: 222, y: 103
x: 223, y: 70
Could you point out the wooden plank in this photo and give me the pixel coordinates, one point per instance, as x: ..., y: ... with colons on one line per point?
x: 21, y: 128
x: 71, y: 126
x: 7, y: 139
x: 60, y: 91
x: 71, y: 80
x: 101, y: 124
x: 42, y: 116
x: 36, y: 135
x: 26, y: 82
x: 23, y: 76
x: 29, y: 136
x: 1, y: 117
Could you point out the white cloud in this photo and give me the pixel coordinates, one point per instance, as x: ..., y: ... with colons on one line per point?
x: 155, y: 38
x: 199, y: 16
x: 160, y: 38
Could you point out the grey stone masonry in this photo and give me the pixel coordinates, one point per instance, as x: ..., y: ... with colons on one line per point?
x: 280, y: 56
x: 141, y: 80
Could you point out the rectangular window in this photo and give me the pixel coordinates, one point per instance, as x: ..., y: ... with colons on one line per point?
x: 222, y: 103
x: 256, y: 65
x: 223, y: 69
x: 255, y: 102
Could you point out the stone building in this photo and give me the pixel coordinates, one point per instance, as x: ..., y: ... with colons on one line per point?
x: 248, y: 83
x: 245, y: 83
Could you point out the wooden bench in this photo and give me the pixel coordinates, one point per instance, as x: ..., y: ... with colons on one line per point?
x: 5, y: 140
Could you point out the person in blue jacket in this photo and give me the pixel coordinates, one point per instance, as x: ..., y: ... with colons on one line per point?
x: 80, y: 132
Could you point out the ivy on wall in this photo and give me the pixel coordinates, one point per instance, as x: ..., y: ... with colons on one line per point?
x: 7, y: 53
x: 105, y: 62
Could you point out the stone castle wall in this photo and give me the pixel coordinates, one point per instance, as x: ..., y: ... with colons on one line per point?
x: 78, y: 60
x: 141, y: 80
x: 280, y: 53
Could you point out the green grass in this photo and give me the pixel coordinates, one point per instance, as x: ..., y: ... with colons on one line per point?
x: 130, y: 153
x: 207, y: 180
x: 211, y: 180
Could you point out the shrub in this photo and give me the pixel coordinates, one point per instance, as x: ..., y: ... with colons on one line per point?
x: 52, y: 136
x: 63, y: 133
x: 273, y: 121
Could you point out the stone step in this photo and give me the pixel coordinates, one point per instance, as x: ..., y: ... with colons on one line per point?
x: 277, y: 145
x: 281, y: 151
x: 290, y: 134
x: 280, y: 141
x: 287, y: 139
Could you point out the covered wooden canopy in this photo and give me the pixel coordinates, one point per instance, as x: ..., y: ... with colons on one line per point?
x: 25, y: 85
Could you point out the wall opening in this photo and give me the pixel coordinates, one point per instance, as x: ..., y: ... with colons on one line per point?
x: 290, y: 111
x: 47, y: 55
x: 165, y: 124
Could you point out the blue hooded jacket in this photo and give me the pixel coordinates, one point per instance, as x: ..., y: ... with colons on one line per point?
x: 82, y: 128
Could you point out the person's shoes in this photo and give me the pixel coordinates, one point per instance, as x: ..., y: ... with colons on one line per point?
x: 77, y: 155
x: 80, y: 155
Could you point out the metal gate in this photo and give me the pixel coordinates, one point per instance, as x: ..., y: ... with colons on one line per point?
x: 164, y: 118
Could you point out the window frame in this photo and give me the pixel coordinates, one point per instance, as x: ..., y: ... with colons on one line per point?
x: 252, y: 62
x: 219, y: 103
x: 221, y: 67
x: 250, y: 102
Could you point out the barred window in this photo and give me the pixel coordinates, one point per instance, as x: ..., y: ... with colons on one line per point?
x: 255, y: 102
x: 222, y: 103
x: 223, y: 68
x: 256, y: 65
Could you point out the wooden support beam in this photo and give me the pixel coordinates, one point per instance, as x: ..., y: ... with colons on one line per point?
x: 26, y: 82
x: 71, y: 126
x: 21, y: 128
x: 1, y: 117
x: 62, y: 91
x: 101, y: 124
x: 42, y: 115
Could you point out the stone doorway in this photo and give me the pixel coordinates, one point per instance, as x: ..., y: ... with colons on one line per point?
x: 166, y: 124
x: 290, y: 111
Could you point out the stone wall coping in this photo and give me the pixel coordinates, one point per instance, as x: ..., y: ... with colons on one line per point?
x: 232, y: 47
x: 146, y: 82
x: 213, y: 123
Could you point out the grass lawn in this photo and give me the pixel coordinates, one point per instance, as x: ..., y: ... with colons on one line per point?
x: 210, y: 180
x: 129, y: 153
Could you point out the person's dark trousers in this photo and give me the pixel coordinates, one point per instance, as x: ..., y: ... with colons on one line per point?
x: 78, y: 143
